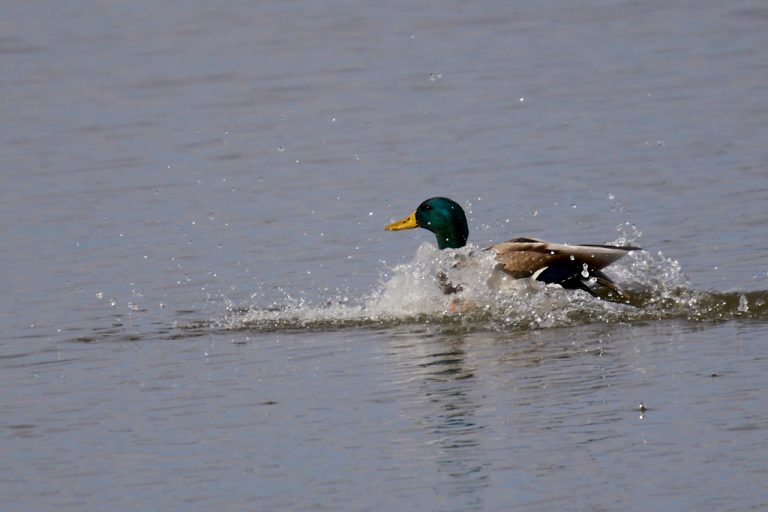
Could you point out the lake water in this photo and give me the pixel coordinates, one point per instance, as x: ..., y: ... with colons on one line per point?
x: 201, y: 309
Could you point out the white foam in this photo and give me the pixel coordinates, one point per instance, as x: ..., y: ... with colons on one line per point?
x: 411, y: 292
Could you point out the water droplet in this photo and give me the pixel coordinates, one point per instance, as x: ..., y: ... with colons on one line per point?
x: 281, y: 149
x: 522, y: 100
x: 99, y: 295
x: 743, y: 304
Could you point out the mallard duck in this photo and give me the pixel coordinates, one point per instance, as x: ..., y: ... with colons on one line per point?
x: 576, y: 267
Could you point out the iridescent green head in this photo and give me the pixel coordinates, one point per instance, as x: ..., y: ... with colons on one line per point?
x: 442, y: 216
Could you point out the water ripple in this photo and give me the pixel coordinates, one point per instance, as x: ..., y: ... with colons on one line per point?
x: 410, y: 294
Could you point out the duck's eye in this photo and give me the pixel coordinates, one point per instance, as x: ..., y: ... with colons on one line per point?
x: 427, y: 207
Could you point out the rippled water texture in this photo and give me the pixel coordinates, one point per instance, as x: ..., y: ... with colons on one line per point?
x: 201, y: 309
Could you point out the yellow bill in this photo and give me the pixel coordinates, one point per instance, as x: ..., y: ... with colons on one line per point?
x: 407, y: 223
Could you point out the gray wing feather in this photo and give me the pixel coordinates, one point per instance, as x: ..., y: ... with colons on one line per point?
x: 521, y: 257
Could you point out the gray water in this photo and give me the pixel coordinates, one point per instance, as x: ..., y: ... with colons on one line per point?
x: 201, y: 309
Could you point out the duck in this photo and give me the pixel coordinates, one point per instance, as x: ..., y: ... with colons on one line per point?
x: 573, y: 267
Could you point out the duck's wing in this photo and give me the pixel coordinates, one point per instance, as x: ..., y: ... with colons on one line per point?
x: 571, y: 266
x: 522, y: 257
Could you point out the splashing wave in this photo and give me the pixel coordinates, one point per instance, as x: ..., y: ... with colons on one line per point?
x: 410, y: 293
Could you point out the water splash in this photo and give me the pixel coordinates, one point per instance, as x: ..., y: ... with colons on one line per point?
x: 412, y: 293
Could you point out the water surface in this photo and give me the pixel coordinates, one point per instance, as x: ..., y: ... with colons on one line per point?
x: 201, y: 308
